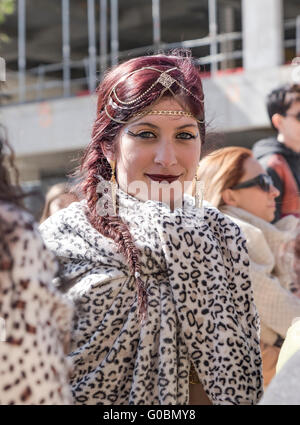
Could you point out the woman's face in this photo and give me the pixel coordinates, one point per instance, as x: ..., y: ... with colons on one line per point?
x: 155, y: 149
x: 254, y: 199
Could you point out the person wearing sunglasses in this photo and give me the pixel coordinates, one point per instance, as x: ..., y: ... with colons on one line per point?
x: 236, y: 184
x: 280, y: 155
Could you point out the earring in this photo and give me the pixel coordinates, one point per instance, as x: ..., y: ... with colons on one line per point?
x: 107, y: 194
x: 199, y: 192
x: 113, y: 184
x: 280, y: 138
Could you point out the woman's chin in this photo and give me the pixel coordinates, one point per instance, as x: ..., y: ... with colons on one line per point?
x: 270, y: 217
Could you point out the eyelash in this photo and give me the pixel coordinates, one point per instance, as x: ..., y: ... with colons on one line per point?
x: 143, y: 133
x: 191, y: 136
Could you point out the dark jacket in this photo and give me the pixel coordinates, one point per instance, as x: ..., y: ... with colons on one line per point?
x: 283, y: 165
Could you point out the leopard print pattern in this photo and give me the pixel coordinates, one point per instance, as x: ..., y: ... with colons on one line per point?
x: 200, y: 307
x: 33, y: 365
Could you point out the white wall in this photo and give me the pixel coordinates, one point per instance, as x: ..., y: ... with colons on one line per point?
x: 262, y: 22
x: 236, y: 102
x: 50, y: 126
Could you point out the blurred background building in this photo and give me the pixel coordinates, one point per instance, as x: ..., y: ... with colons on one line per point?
x: 57, y: 50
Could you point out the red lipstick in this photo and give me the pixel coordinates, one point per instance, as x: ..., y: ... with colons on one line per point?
x: 163, y: 177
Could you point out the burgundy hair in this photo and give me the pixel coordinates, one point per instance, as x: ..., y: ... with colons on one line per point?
x: 105, y: 131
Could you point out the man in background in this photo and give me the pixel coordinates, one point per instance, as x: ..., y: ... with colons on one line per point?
x: 280, y: 155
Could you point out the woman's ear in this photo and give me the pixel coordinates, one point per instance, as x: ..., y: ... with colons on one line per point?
x: 229, y: 196
x: 276, y: 120
x: 107, y: 151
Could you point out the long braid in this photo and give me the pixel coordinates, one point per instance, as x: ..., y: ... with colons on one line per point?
x: 115, y: 229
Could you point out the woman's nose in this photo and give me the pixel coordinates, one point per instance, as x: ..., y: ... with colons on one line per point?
x: 274, y: 191
x: 165, y: 154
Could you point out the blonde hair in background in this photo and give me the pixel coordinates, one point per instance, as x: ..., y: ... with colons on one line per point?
x: 220, y: 170
x: 53, y: 193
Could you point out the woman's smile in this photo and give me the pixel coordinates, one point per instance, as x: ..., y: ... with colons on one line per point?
x: 163, y: 177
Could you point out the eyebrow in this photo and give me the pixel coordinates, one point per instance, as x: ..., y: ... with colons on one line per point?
x: 155, y: 126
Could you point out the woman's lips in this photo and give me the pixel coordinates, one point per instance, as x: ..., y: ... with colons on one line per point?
x: 163, y: 177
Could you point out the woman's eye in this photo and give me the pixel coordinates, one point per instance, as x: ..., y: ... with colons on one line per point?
x: 185, y: 135
x: 143, y: 134
x: 146, y: 134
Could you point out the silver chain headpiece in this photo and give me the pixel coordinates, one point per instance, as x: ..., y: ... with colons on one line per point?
x: 164, y: 79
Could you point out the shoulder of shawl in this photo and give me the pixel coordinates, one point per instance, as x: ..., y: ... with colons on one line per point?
x: 70, y: 235
x: 72, y: 219
x: 224, y: 229
x: 71, y: 224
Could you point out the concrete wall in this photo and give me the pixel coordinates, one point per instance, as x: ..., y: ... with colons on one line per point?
x: 262, y: 23
x: 236, y: 102
x: 50, y: 126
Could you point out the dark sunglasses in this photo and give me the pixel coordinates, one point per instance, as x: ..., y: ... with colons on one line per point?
x: 297, y: 116
x: 262, y: 180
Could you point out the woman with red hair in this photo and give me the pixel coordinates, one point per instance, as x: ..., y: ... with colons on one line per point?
x: 161, y: 284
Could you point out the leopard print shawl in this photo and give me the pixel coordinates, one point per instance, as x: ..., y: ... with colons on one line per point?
x: 35, y: 318
x: 200, y: 307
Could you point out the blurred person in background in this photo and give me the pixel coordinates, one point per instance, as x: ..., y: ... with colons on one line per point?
x: 58, y: 197
x: 280, y: 156
x: 285, y: 386
x: 236, y: 183
x: 35, y: 318
x: 291, y: 344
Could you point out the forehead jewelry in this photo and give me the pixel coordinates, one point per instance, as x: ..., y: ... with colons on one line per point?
x: 156, y: 112
x: 164, y: 79
x: 166, y: 82
x: 172, y: 113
